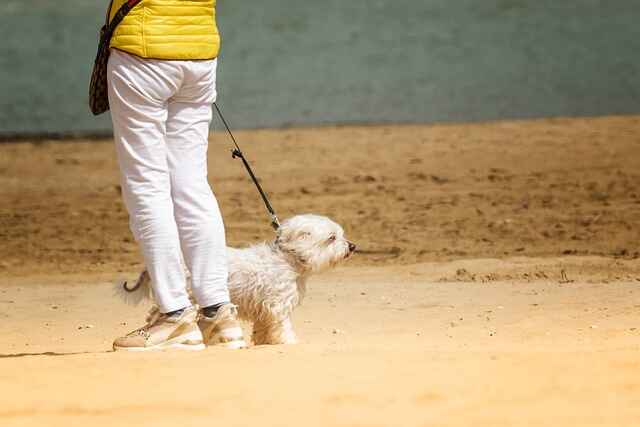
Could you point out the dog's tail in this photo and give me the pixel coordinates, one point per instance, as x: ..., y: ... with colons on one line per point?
x: 139, y: 291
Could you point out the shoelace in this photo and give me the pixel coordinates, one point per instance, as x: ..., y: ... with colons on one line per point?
x: 152, y: 318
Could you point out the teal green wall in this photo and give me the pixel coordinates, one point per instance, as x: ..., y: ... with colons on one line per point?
x: 292, y: 62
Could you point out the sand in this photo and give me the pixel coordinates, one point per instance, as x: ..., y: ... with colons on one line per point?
x: 497, y: 282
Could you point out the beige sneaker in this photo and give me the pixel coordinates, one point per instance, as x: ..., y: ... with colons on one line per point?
x: 164, y: 332
x: 223, y: 329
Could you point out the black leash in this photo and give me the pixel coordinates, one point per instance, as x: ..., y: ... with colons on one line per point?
x: 237, y: 153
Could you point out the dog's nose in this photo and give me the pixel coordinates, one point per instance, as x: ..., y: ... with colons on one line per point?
x: 352, y: 247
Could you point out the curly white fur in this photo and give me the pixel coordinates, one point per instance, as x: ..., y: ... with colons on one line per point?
x: 267, y: 281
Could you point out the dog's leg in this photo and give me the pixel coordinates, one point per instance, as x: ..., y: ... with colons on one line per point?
x: 285, y: 333
x: 259, y: 335
x: 276, y: 332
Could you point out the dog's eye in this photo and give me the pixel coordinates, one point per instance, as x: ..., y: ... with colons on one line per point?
x: 331, y: 239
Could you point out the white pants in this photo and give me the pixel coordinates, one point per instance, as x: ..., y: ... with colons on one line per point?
x: 161, y: 112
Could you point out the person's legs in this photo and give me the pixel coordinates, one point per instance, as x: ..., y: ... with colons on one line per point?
x: 138, y: 94
x: 196, y: 210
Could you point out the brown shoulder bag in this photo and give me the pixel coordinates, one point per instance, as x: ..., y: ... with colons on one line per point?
x: 98, y: 90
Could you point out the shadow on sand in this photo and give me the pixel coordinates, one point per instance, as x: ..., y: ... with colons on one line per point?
x: 50, y: 353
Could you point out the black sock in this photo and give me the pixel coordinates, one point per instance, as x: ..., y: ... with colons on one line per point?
x: 175, y: 313
x: 212, y: 309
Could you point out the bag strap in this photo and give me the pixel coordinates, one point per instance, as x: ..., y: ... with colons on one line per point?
x: 119, y: 16
x: 106, y: 18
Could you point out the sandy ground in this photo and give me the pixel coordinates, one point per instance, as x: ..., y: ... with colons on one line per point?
x: 382, y: 346
x: 496, y: 284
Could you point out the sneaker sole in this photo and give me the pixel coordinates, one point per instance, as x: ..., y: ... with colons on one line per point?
x: 160, y: 347
x: 191, y: 341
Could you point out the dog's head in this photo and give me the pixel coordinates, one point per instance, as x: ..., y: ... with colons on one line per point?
x: 316, y: 242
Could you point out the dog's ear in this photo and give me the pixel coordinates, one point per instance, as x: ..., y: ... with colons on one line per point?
x: 298, y: 236
x: 286, y: 235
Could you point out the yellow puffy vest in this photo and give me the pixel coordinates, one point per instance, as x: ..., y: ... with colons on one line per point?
x: 168, y: 29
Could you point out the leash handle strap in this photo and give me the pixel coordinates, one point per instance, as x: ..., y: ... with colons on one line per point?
x: 237, y: 153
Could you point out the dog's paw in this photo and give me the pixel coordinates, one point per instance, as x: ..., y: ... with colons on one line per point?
x: 289, y: 341
x: 275, y: 337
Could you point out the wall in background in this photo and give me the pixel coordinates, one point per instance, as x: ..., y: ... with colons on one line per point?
x: 293, y: 62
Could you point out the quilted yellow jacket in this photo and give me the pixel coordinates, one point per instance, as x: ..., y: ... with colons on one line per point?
x: 168, y: 29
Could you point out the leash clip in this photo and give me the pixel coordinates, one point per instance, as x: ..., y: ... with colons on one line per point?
x: 274, y: 222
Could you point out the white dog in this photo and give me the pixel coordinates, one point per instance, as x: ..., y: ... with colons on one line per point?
x: 267, y: 281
